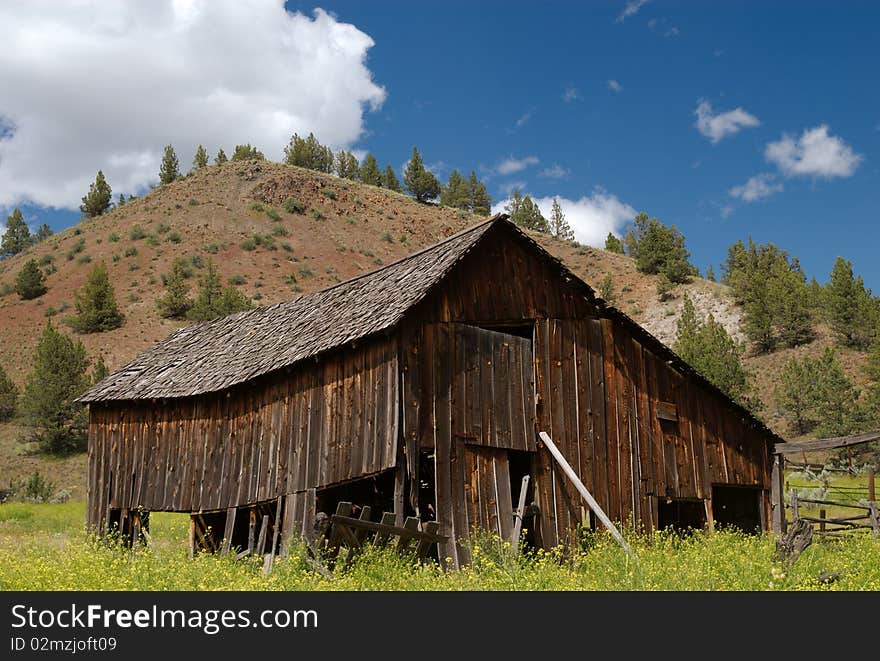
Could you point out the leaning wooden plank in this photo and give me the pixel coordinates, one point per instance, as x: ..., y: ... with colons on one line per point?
x: 411, y: 525
x: 384, y: 529
x: 261, y: 539
x: 569, y: 472
x: 518, y: 515
x: 227, y: 532
x: 430, y: 528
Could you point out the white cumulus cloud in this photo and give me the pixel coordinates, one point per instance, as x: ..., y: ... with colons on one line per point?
x: 814, y: 153
x: 757, y: 188
x: 105, y: 85
x: 555, y: 171
x: 632, y: 8
x: 716, y: 126
x: 615, y: 87
x: 511, y: 165
x: 591, y: 216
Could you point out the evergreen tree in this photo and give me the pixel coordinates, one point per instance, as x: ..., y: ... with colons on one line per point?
x: 30, y: 282
x: 797, y: 393
x: 121, y: 201
x: 559, y: 226
x: 57, y: 378
x: 852, y: 311
x: 525, y: 213
x: 200, y: 160
x: 43, y: 233
x: 707, y: 347
x: 97, y: 201
x: 170, y: 169
x: 838, y: 410
x: 247, y: 153
x: 96, y: 309
x: 787, y: 287
x: 212, y: 301
x: 99, y: 371
x: 390, y: 180
x: 17, y: 237
x: 220, y: 158
x: 872, y: 364
x: 606, y: 290
x: 613, y: 244
x: 369, y: 171
x: 481, y: 201
x: 175, y: 303
x: 8, y: 396
x: 346, y: 165
x: 659, y: 249
x: 308, y: 153
x: 710, y: 273
x: 456, y: 193
x: 419, y: 181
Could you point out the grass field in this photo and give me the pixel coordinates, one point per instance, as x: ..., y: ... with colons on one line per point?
x: 44, y: 547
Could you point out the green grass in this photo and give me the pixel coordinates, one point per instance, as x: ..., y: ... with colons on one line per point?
x: 45, y: 547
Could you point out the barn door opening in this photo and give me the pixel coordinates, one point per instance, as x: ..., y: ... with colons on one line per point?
x: 737, y: 507
x: 681, y: 514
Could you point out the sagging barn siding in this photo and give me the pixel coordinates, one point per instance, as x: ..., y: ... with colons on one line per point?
x: 314, y: 425
x: 597, y: 390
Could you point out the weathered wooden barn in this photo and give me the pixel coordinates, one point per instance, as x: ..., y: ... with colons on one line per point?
x: 420, y: 388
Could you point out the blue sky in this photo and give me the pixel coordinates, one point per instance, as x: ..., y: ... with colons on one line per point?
x: 592, y: 102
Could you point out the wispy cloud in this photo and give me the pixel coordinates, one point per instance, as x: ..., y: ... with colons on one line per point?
x: 632, y: 8
x: 591, y: 217
x: 555, y: 171
x: 756, y: 188
x: 523, y: 119
x: 716, y: 126
x: 511, y: 165
x: 506, y: 190
x: 570, y: 93
x: 726, y: 211
x: 615, y: 86
x: 671, y: 32
x: 814, y: 153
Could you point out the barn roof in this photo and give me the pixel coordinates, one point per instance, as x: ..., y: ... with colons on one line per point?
x: 216, y: 355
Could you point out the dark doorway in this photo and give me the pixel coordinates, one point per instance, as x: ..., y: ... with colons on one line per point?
x: 681, y: 515
x: 520, y: 465
x: 376, y: 491
x: 737, y: 507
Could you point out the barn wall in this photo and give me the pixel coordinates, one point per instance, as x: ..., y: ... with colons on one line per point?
x: 316, y: 425
x: 598, y: 391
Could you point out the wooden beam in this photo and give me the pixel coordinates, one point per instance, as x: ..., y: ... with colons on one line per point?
x: 518, y: 515
x: 569, y: 472
x: 227, y: 532
x: 826, y: 443
x: 777, y: 496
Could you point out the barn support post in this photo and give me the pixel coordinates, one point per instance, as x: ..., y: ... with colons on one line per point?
x: 777, y: 497
x: 569, y: 472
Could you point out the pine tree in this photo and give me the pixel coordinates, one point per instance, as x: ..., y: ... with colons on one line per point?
x: 708, y: 348
x: 369, y: 171
x: 872, y: 364
x: 456, y: 193
x: 308, y: 153
x: 390, y: 180
x: 96, y: 309
x: 710, y: 273
x: 797, y: 393
x: 419, y: 181
x: 30, y: 282
x: 559, y: 226
x: 170, y: 169
x: 175, y: 303
x: 613, y: 244
x: 606, y: 290
x: 347, y: 166
x: 787, y: 287
x: 8, y: 396
x: 212, y: 301
x: 525, y: 213
x: 57, y: 378
x: 121, y: 201
x: 97, y: 201
x: 200, y: 160
x: 17, y: 237
x: 852, y: 310
x: 659, y: 249
x: 247, y: 153
x: 837, y: 410
x: 481, y: 201
x: 99, y: 371
x: 43, y: 233
x: 220, y: 158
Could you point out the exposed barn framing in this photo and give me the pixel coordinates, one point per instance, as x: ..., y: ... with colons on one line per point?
x: 420, y: 388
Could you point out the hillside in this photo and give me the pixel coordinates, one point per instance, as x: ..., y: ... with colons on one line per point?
x: 346, y: 228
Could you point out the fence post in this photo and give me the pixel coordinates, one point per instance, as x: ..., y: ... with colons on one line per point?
x: 871, y: 494
x: 777, y: 496
x: 795, y: 515
x: 822, y: 522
